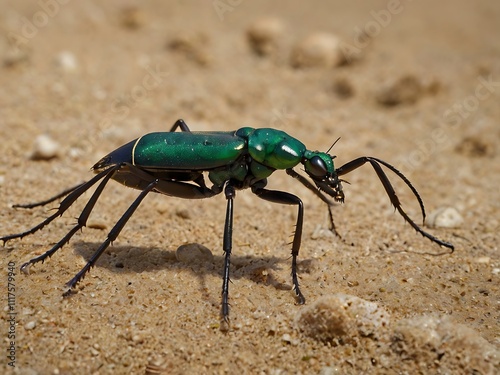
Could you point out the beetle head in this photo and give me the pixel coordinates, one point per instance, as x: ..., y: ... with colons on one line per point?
x: 319, y: 166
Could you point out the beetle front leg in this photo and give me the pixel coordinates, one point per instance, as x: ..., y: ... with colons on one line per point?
x: 282, y: 197
x: 318, y: 193
x: 227, y: 247
x: 389, y: 189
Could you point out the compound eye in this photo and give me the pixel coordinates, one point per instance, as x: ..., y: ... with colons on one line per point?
x: 316, y: 167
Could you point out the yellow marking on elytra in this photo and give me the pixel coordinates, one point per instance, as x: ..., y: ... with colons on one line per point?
x: 133, y: 149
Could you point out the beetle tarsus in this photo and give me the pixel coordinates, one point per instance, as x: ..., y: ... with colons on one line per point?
x: 50, y: 200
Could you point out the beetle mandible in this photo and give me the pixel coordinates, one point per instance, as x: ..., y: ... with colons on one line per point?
x: 173, y: 163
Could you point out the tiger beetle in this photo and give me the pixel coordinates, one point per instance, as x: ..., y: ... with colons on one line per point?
x: 173, y: 163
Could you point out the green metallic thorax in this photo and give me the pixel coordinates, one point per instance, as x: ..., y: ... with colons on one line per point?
x: 271, y: 149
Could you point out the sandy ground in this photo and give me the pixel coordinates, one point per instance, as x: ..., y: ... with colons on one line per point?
x: 415, y: 83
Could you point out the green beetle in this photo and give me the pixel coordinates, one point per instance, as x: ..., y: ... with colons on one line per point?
x: 175, y: 163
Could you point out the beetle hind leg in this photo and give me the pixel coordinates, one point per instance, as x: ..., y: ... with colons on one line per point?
x: 81, y: 222
x: 112, y: 235
x: 66, y: 203
x: 49, y: 200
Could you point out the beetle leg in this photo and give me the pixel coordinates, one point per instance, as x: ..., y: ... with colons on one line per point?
x: 178, y: 189
x: 282, y: 197
x: 227, y: 247
x: 180, y: 124
x: 82, y: 221
x: 65, y: 204
x: 112, y: 235
x: 356, y: 163
x: 318, y: 193
x: 50, y: 200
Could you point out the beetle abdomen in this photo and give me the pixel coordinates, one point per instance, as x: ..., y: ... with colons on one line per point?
x: 122, y: 154
x: 187, y: 151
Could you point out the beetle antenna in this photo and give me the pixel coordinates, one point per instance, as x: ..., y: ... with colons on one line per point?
x: 334, y: 143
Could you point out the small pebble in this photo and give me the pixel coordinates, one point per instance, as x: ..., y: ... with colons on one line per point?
x: 67, y: 61
x: 343, y: 88
x: 132, y: 18
x: 45, y: 148
x: 461, y: 349
x: 286, y: 338
x: 264, y: 35
x: 321, y: 232
x: 193, y: 45
x: 482, y: 260
x: 341, y: 318
x: 30, y: 325
x: 137, y: 339
x: 317, y: 50
x: 183, y: 214
x: 445, y: 217
x: 475, y: 147
x: 16, y: 57
x: 194, y: 253
x: 404, y: 90
x: 97, y: 224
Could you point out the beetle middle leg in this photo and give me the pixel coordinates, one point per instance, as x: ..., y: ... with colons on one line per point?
x: 180, y: 124
x: 227, y: 247
x: 282, y: 197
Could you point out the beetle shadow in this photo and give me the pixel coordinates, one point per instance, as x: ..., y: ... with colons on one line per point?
x: 132, y: 259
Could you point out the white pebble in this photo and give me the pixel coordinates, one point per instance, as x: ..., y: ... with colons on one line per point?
x: 444, y: 217
x: 318, y: 50
x: 44, y: 148
x: 67, y: 61
x: 30, y: 325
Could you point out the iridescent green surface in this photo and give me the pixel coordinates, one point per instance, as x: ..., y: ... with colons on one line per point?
x: 188, y: 151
